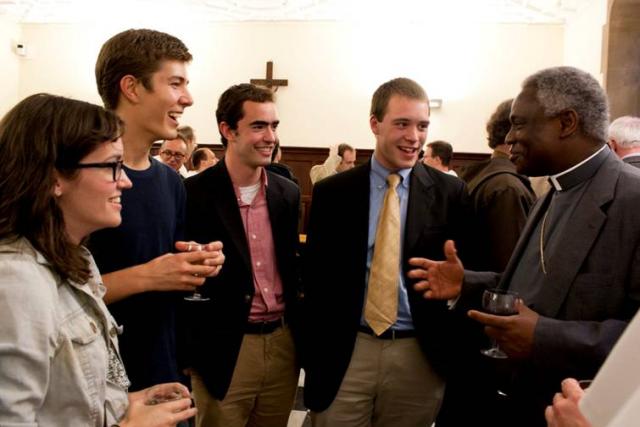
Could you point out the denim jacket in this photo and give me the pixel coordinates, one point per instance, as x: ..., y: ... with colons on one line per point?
x: 58, y: 346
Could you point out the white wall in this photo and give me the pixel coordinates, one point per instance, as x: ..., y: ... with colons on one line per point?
x: 10, y: 63
x: 333, y: 69
x: 583, y: 38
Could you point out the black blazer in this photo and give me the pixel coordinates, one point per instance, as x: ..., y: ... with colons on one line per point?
x: 212, y: 331
x: 335, y: 269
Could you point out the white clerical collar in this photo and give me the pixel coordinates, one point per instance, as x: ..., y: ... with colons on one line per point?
x: 578, y: 172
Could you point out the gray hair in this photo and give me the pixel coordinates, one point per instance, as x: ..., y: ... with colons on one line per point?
x: 626, y: 131
x: 563, y: 88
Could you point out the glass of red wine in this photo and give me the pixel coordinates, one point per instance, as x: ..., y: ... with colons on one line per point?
x: 499, y: 302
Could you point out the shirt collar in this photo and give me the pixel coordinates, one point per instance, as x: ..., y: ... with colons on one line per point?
x: 380, y: 173
x: 580, y: 172
x: 264, y: 180
x: 264, y: 183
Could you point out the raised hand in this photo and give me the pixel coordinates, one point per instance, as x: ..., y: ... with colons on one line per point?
x: 439, y: 279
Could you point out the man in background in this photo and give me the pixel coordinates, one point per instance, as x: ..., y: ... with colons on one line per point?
x: 341, y: 158
x: 501, y: 196
x: 438, y: 155
x: 624, y: 139
x: 189, y: 137
x: 202, y: 159
x: 173, y: 152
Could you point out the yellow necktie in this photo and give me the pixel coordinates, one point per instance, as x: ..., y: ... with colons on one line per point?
x: 381, y: 309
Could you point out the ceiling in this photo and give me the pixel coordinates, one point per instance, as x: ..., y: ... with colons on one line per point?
x: 506, y: 11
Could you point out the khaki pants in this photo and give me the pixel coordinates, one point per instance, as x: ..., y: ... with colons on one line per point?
x: 263, y: 385
x: 389, y: 383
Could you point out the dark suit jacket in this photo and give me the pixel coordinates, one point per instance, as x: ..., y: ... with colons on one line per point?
x: 335, y: 269
x: 214, y: 329
x: 592, y: 289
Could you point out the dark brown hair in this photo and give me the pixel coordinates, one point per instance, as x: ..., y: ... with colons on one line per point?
x: 139, y: 53
x: 199, y: 156
x: 499, y: 124
x: 441, y: 149
x: 400, y: 86
x: 39, y: 137
x: 230, y: 105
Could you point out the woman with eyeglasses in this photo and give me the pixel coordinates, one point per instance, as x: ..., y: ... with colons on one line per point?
x: 61, y: 179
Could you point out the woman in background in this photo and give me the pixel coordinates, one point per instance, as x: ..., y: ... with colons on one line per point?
x: 61, y: 179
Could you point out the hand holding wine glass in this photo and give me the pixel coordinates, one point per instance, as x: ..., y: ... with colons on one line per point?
x: 199, y: 262
x: 498, y: 302
x: 208, y: 265
x: 514, y: 328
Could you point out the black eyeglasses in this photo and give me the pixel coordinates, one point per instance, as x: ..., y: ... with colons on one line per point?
x: 168, y: 154
x: 116, y: 167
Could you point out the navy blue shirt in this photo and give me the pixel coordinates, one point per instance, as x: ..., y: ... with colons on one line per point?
x: 153, y: 214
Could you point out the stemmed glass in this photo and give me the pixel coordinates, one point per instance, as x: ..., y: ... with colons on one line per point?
x: 499, y: 302
x: 196, y: 296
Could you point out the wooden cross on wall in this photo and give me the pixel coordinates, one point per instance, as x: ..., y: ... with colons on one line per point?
x: 270, y: 82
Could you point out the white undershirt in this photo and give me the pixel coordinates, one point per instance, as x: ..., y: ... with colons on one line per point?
x: 247, y: 194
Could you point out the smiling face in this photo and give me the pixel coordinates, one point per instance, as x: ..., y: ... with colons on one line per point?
x: 90, y: 200
x: 161, y: 107
x: 401, y: 133
x: 533, y: 137
x: 254, y: 139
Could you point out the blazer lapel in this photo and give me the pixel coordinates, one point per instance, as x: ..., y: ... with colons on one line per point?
x: 275, y: 204
x: 356, y: 212
x: 582, y: 230
x: 419, y: 207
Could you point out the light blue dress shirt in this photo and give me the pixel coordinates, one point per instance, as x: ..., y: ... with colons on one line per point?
x: 377, y: 188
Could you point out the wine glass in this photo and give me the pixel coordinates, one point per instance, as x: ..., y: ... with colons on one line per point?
x: 196, y: 296
x: 499, y: 302
x: 158, y: 398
